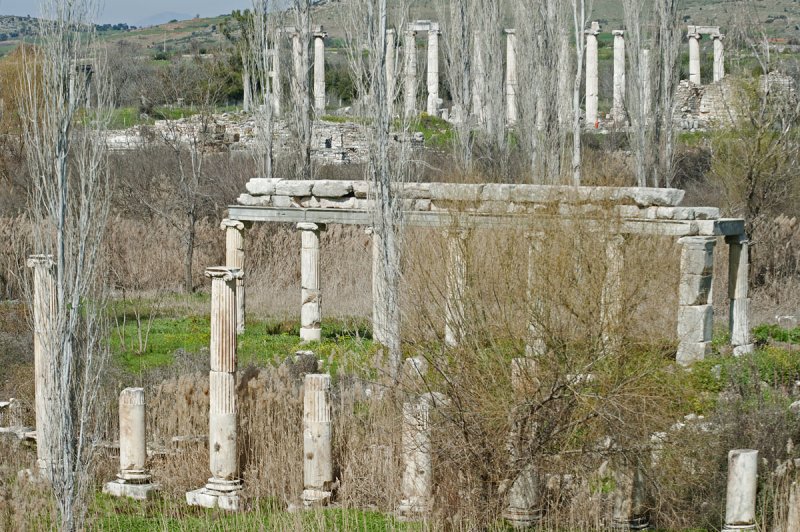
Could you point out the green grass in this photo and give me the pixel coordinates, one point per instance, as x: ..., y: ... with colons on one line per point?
x: 112, y: 514
x: 343, y: 347
x: 764, y: 333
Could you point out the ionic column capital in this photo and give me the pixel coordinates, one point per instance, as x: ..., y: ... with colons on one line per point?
x: 227, y: 223
x: 510, y: 31
x: 593, y: 30
x: 618, y: 33
x: 309, y: 226
x: 224, y: 273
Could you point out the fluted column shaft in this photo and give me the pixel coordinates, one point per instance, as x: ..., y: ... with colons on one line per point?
x: 740, y: 502
x: 591, y: 75
x: 410, y: 88
x: 234, y: 258
x: 611, y: 296
x: 738, y: 275
x: 319, y: 71
x: 132, y: 435
x: 619, y: 75
x: 719, y: 58
x: 418, y: 466
x: 317, y: 434
x: 433, y: 72
x: 45, y: 316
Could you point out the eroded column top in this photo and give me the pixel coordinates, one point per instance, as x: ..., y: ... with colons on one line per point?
x: 594, y: 29
x: 227, y: 223
x: 223, y: 272
x: 309, y: 226
x: 40, y: 260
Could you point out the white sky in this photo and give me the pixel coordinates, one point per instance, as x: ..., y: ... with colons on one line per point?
x: 133, y: 11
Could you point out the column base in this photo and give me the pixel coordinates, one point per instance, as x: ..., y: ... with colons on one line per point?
x: 223, y: 494
x: 132, y: 490
x: 315, y: 498
x: 413, y: 509
x: 740, y: 350
x: 522, y: 517
x: 310, y: 335
x: 739, y: 528
x: 691, y: 352
x: 637, y: 523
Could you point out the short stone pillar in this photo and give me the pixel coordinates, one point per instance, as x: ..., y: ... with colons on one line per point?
x: 535, y: 345
x: 433, y: 70
x: 391, y: 84
x: 417, y: 487
x: 234, y: 258
x: 511, y: 76
x: 630, y: 500
x: 591, y: 74
x: 694, y: 56
x: 133, y: 479
x: 454, y: 321
x: 311, y: 295
x: 611, y: 296
x: 695, y: 313
x: 410, y: 87
x: 618, y: 107
x: 719, y: 58
x: 319, y: 70
x: 524, y: 507
x: 740, y: 503
x: 317, y: 433
x: 225, y: 485
x: 45, y: 317
x: 738, y: 275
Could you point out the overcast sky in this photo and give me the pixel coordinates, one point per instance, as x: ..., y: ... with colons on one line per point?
x: 133, y: 11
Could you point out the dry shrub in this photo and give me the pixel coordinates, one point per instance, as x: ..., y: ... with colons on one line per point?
x: 14, y: 250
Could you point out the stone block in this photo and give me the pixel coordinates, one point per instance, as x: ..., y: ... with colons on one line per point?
x: 362, y: 204
x: 254, y: 201
x: 261, y: 186
x: 337, y: 203
x: 140, y: 492
x: 281, y: 201
x: 455, y: 192
x: 695, y: 323
x: 422, y: 205
x: 694, y: 289
x: 498, y: 192
x: 691, y: 352
x: 361, y: 189
x: 326, y: 188
x: 286, y: 187
x: 414, y: 191
x: 309, y: 202
x: 697, y: 255
x: 207, y: 498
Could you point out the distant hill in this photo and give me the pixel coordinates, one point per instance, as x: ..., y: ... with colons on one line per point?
x: 162, y: 18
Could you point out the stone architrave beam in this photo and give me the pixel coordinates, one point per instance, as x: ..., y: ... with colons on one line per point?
x: 133, y: 479
x: 224, y: 487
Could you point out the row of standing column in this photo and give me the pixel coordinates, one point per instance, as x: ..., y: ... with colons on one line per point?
x: 694, y: 57
x: 592, y: 76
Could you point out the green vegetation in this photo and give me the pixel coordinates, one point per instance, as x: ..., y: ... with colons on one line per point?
x: 766, y: 332
x: 438, y: 133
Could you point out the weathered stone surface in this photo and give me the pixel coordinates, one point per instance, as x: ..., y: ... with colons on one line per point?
x: 361, y: 189
x: 695, y: 323
x: 262, y: 186
x: 697, y: 255
x: 422, y: 205
x: 254, y: 201
x: 293, y: 188
x: 282, y: 201
x: 691, y: 352
x: 337, y: 203
x: 740, y: 503
x: 326, y: 188
x: 694, y: 289
x: 455, y: 192
x: 140, y: 492
x: 498, y: 192
x: 415, y: 190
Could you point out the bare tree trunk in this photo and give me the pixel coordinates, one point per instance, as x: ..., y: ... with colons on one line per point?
x: 581, y: 11
x: 69, y: 204
x: 188, y: 257
x: 263, y: 56
x: 301, y: 115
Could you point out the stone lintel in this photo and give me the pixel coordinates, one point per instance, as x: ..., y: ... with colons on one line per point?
x: 223, y: 272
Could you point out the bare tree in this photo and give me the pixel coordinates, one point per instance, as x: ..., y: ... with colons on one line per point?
x: 301, y: 113
x: 388, y: 164
x: 69, y: 204
x: 581, y: 12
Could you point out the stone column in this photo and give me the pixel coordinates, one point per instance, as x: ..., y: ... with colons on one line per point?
x: 311, y: 295
x: 277, y: 87
x: 45, y: 317
x: 694, y: 56
x: 234, y: 258
x: 390, y: 74
x: 317, y: 431
x: 319, y: 70
x: 133, y: 479
x: 591, y: 75
x: 410, y: 88
x: 536, y: 345
x: 695, y: 314
x: 297, y: 57
x: 618, y: 108
x: 433, y: 70
x: 224, y: 487
x: 511, y: 76
x: 524, y: 507
x: 379, y: 318
x: 611, y: 296
x: 719, y: 58
x: 456, y: 287
x: 478, y: 80
x: 417, y: 487
x: 644, y: 72
x: 740, y: 503
x: 738, y: 275
x: 630, y: 500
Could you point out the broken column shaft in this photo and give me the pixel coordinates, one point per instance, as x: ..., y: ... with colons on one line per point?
x: 695, y: 314
x: 740, y: 501
x: 311, y: 295
x: 738, y: 273
x: 454, y: 324
x: 234, y: 258
x: 618, y: 107
x: 317, y: 433
x: 319, y: 70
